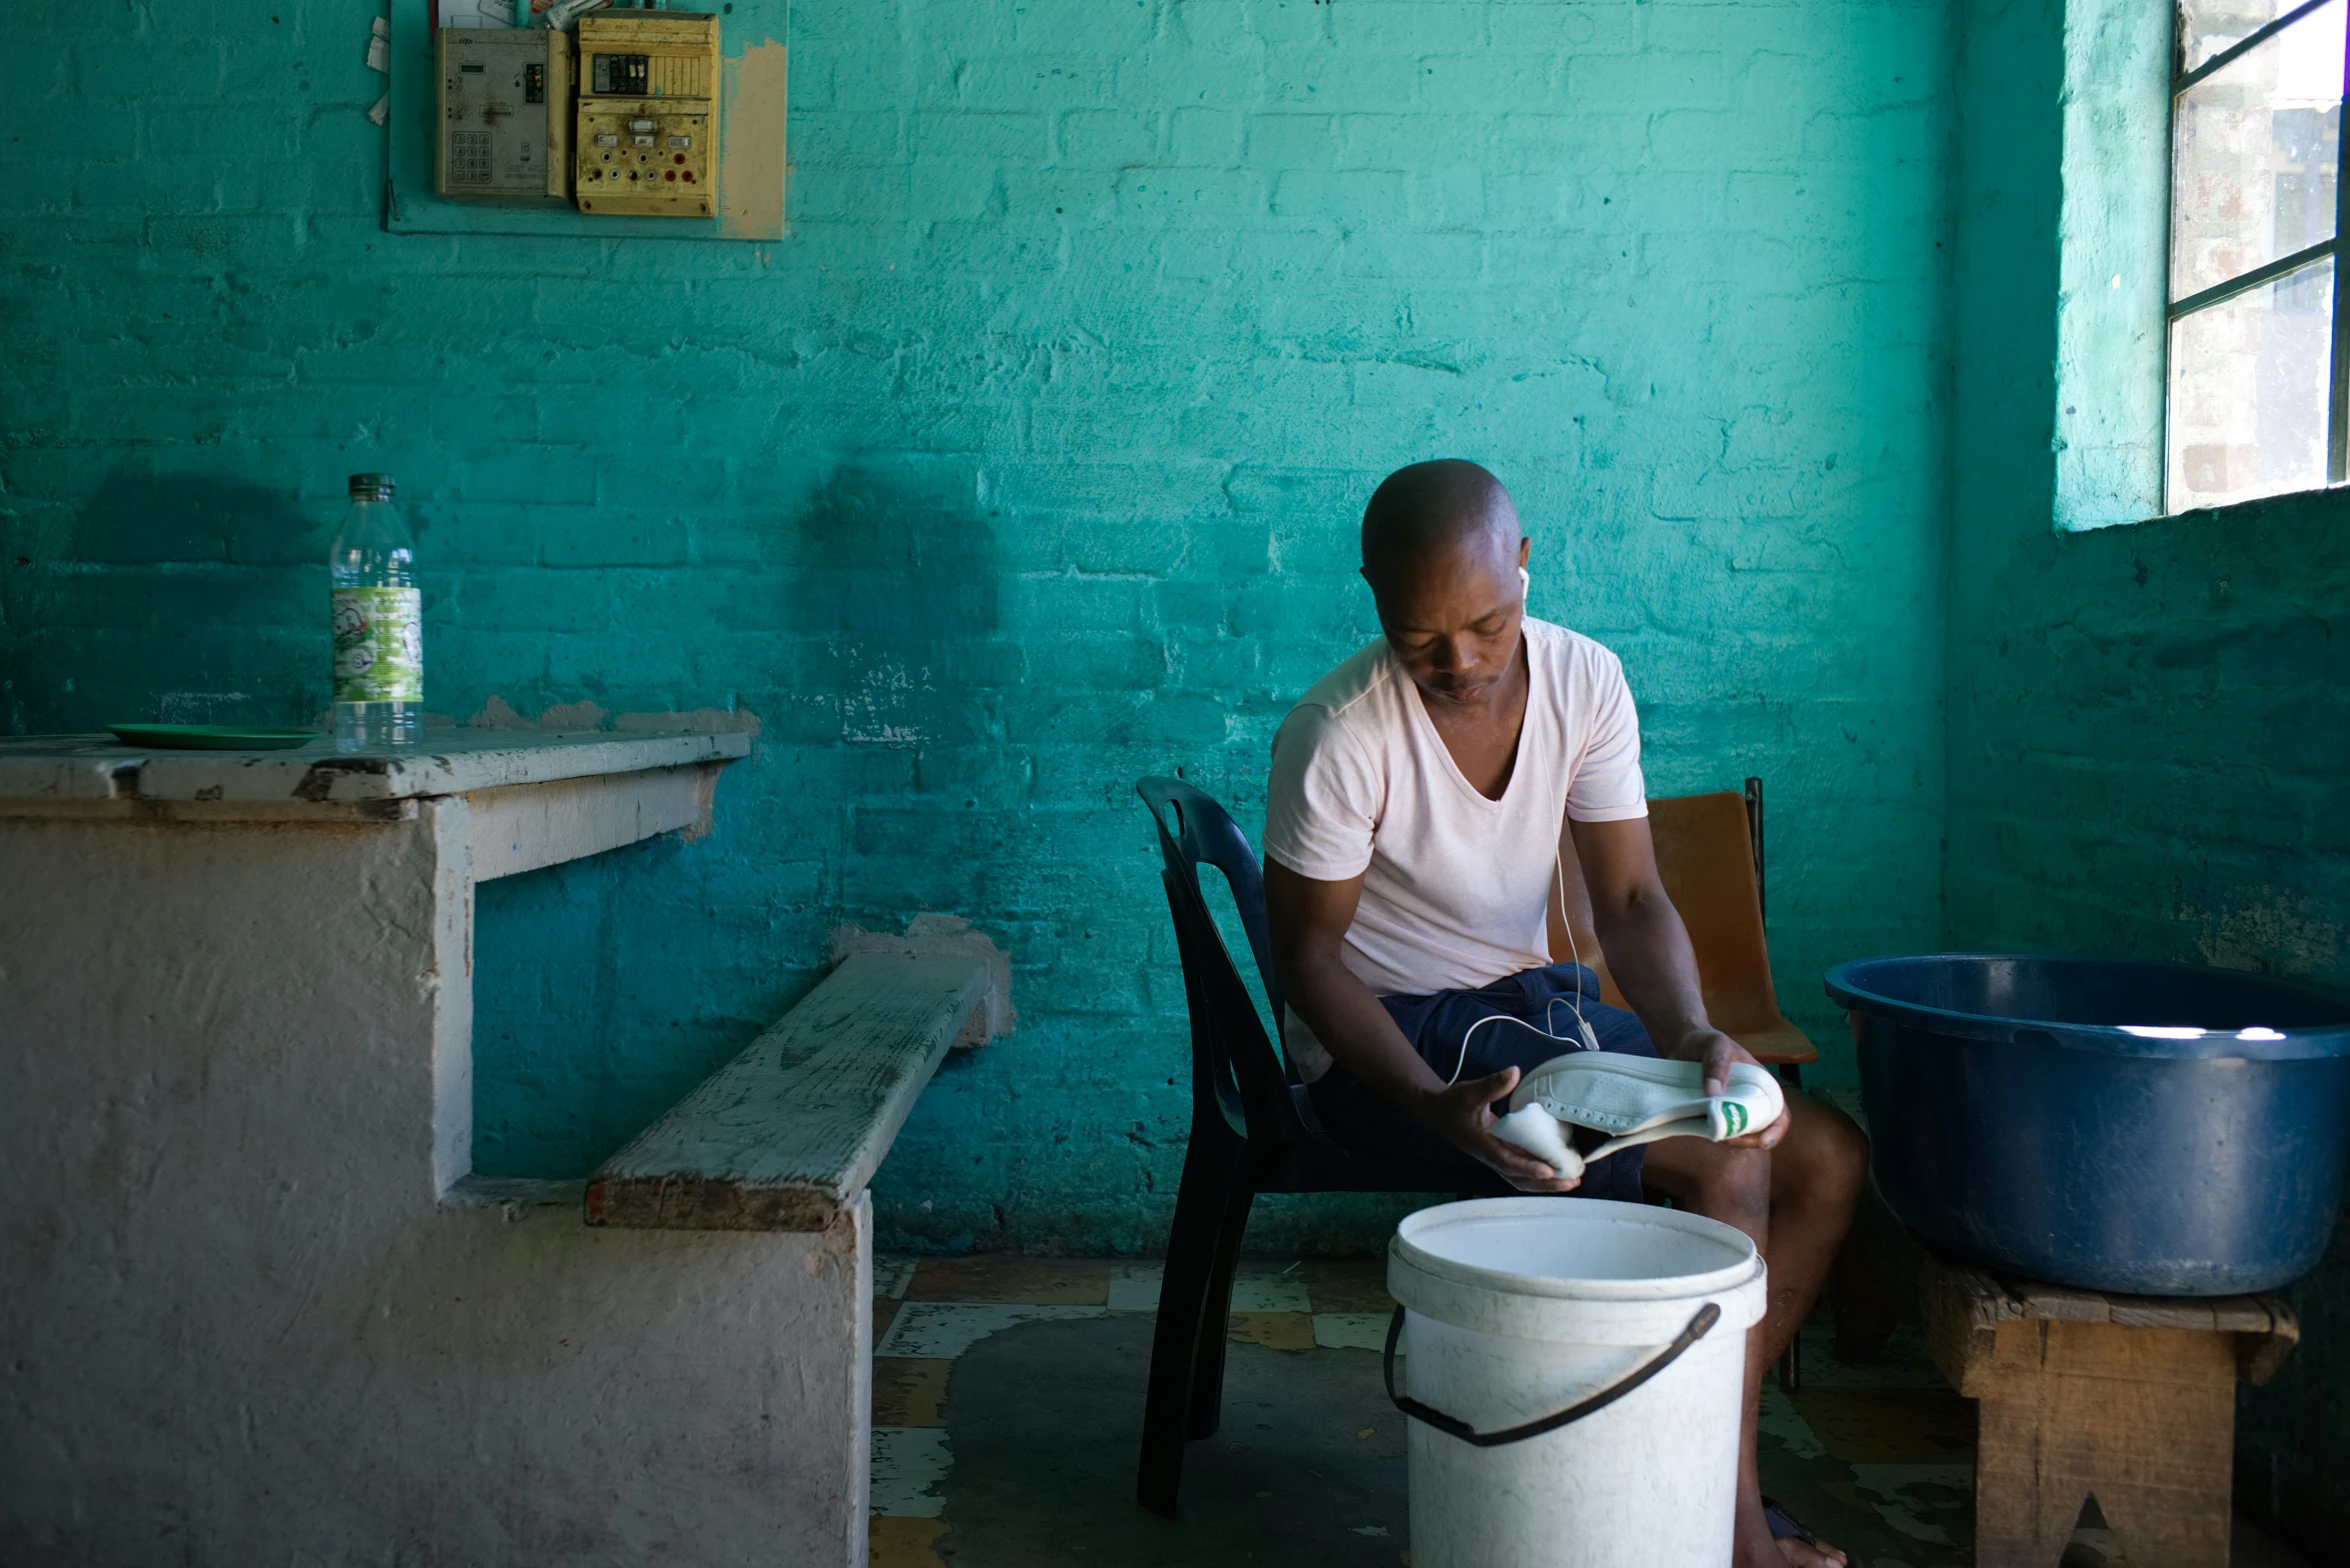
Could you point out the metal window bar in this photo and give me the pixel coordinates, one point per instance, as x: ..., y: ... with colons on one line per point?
x: 2184, y: 79
x: 2338, y: 398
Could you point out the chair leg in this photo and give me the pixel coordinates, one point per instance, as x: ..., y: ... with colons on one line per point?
x: 1207, y: 1365
x: 1211, y: 1169
x: 1791, y: 1361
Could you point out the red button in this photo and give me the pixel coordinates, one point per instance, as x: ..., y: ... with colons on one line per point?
x: 671, y: 176
x: 681, y: 157
x: 689, y: 176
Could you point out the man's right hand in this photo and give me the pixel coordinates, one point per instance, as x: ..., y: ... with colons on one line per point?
x: 1310, y: 920
x: 1463, y: 1114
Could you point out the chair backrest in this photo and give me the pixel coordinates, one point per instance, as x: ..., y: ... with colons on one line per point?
x: 1233, y: 1059
x: 1705, y: 858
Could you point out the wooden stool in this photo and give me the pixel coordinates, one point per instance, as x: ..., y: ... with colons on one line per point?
x: 2127, y: 1399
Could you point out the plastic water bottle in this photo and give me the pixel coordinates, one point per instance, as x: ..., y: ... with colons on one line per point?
x: 378, y: 624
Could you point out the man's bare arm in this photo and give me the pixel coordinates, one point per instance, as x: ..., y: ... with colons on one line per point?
x: 1309, y: 923
x: 1649, y: 955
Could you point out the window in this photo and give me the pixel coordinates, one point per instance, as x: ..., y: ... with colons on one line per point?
x: 2259, y: 356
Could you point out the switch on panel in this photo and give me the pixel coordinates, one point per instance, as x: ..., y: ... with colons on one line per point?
x: 648, y: 114
x: 505, y: 115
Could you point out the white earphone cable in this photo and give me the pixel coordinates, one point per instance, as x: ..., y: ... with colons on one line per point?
x: 1584, y: 1039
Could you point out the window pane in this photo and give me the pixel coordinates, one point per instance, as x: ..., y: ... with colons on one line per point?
x: 2208, y: 28
x: 2255, y: 152
x: 2248, y: 392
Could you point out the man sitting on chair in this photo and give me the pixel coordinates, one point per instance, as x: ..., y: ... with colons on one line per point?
x: 1420, y: 796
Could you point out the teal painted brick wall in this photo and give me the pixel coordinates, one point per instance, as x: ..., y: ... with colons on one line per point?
x: 2147, y: 723
x: 1030, y: 463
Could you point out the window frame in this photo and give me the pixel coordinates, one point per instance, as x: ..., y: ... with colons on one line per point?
x: 2177, y: 310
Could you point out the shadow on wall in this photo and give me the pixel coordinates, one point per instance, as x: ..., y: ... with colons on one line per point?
x: 895, y: 570
x: 139, y: 518
x: 583, y: 1030
x: 168, y: 580
x: 581, y: 1035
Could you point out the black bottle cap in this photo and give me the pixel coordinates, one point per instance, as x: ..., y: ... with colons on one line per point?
x: 371, y: 487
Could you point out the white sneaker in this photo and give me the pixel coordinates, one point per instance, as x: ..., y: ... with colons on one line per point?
x: 1634, y: 1099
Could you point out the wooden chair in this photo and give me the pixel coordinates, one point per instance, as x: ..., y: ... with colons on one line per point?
x: 1709, y: 853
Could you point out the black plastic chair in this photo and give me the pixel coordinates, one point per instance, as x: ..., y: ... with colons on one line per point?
x: 1252, y: 1131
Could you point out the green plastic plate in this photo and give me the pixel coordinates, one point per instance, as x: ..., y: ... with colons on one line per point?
x: 209, y: 737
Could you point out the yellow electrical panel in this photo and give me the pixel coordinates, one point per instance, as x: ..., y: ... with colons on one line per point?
x: 646, y: 143
x: 505, y: 115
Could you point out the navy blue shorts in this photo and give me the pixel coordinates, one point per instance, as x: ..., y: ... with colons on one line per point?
x: 1358, y: 1116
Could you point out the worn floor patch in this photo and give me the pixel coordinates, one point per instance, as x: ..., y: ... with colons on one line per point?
x: 1135, y: 1288
x: 906, y: 1543
x: 1895, y: 1426
x: 910, y: 1390
x: 1351, y: 1330
x: 1347, y: 1285
x: 1274, y: 1330
x: 891, y: 1276
x: 909, y: 1466
x: 1044, y: 1463
x: 938, y: 1328
x: 1035, y: 1281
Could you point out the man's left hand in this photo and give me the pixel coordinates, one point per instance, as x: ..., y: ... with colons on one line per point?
x: 1717, y: 1051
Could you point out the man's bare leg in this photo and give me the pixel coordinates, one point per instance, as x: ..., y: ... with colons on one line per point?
x: 1796, y: 1202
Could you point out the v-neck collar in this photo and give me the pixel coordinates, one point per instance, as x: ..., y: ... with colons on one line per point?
x: 1435, y: 736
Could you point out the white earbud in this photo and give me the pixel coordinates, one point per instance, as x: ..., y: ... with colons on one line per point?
x: 1525, y: 583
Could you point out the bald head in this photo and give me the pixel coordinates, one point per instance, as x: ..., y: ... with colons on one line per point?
x: 1442, y: 552
x: 1429, y: 511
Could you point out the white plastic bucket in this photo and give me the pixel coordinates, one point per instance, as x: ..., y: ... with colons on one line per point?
x: 1515, y: 1310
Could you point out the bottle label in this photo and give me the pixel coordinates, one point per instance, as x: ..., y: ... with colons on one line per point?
x: 379, y: 645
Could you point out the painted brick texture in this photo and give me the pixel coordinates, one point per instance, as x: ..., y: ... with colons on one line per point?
x: 1029, y: 464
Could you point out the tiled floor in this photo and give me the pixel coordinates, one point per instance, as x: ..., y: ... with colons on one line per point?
x: 1007, y: 1405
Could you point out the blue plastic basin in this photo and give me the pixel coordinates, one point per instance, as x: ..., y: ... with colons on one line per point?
x: 2147, y: 1128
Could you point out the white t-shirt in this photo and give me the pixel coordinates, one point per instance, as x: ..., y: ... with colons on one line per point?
x: 1456, y: 887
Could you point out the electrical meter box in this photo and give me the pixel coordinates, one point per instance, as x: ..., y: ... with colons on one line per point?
x: 505, y: 120
x: 646, y: 142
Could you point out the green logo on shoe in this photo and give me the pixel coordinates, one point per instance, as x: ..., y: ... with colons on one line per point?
x: 1734, y: 1117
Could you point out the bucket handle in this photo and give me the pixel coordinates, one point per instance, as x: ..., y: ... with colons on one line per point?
x: 1707, y: 1316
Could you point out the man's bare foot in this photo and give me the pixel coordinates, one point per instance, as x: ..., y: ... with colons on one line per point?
x: 1800, y: 1555
x: 1757, y: 1549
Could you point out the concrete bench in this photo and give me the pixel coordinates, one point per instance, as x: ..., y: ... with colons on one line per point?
x: 783, y: 1140
x: 786, y: 1136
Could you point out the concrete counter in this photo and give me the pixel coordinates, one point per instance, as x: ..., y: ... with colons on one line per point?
x: 64, y: 772
x: 258, y: 1308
